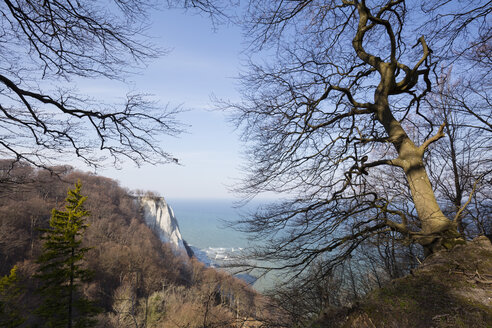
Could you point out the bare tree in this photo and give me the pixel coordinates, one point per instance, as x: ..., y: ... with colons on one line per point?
x: 344, y: 97
x: 459, y: 30
x: 47, y: 47
x: 460, y: 165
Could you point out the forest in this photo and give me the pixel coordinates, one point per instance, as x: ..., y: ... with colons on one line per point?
x: 135, y: 279
x: 369, y: 121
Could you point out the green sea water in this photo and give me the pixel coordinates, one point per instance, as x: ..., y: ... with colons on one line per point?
x: 203, y: 223
x: 205, y: 226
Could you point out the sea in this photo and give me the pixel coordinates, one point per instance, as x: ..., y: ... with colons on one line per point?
x: 205, y: 226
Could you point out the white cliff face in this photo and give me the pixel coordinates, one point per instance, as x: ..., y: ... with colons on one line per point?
x: 159, y: 216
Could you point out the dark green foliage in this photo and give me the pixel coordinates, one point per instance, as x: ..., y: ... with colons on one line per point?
x: 10, y: 293
x: 61, y: 272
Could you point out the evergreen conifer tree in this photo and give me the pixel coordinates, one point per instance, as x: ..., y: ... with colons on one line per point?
x: 61, y: 272
x: 10, y: 293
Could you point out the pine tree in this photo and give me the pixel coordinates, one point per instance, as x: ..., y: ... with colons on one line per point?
x: 61, y: 272
x: 10, y: 293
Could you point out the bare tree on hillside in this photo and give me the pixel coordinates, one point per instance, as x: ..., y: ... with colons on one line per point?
x: 344, y: 96
x: 459, y: 165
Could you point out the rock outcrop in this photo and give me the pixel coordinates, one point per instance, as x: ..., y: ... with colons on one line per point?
x: 159, y: 216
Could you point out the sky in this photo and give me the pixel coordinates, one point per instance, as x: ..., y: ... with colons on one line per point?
x: 200, y: 63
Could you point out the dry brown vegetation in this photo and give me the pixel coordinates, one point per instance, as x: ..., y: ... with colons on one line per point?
x: 449, y: 289
x: 138, y: 280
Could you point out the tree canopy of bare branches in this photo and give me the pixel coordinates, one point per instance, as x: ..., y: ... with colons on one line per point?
x: 47, y: 47
x: 347, y: 90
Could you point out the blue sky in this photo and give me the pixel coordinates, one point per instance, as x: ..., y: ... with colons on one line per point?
x: 201, y: 62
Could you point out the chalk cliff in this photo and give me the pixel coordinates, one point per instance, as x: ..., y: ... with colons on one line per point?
x: 159, y: 216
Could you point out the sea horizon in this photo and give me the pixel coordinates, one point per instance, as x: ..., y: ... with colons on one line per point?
x: 206, y: 223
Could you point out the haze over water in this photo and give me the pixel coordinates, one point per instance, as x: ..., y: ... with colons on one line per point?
x: 202, y: 223
x: 203, y: 226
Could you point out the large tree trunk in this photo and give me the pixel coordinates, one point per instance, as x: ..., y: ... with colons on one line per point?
x: 436, y: 229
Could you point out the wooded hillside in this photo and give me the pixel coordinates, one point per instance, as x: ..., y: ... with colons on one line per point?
x: 137, y: 280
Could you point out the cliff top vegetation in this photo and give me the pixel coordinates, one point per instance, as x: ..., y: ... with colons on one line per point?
x: 449, y: 289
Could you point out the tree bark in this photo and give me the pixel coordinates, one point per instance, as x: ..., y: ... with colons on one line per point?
x: 436, y: 228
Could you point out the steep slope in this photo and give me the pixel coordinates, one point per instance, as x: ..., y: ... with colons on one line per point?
x: 450, y: 289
